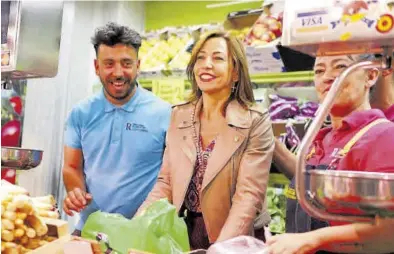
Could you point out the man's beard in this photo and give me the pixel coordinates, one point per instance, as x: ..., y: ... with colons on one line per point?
x: 132, y: 84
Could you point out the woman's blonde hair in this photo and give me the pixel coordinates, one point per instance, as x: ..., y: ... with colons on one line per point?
x: 243, y: 91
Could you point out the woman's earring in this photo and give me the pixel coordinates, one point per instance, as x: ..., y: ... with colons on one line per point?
x: 233, y: 88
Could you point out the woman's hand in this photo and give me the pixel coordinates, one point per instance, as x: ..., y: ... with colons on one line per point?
x: 304, y: 243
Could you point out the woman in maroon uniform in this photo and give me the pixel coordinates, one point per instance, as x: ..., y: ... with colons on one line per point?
x: 333, y: 149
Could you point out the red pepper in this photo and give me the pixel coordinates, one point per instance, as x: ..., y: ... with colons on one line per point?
x: 11, y: 133
x: 16, y: 103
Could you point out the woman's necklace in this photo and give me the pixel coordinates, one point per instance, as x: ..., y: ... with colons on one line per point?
x: 196, y: 137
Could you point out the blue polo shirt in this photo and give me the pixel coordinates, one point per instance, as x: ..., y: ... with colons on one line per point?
x: 122, y: 149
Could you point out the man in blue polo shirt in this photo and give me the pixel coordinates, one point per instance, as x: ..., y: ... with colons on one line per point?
x: 114, y: 140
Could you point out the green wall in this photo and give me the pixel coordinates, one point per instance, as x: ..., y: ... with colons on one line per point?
x: 159, y: 14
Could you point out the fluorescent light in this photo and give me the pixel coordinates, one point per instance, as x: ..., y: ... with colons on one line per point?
x: 210, y: 6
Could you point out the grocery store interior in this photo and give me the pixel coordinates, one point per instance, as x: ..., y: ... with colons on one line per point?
x: 35, y: 108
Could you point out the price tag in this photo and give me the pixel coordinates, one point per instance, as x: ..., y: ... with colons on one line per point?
x: 171, y: 90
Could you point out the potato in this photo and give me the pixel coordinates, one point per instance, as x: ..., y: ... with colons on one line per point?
x: 2, y: 209
x: 24, y: 239
x: 37, y: 224
x: 23, y: 204
x: 8, y: 245
x: 48, y: 214
x: 21, y: 216
x: 45, y: 199
x: 43, y: 206
x: 20, y: 200
x: 23, y: 226
x: 2, y: 246
x: 18, y: 233
x: 9, y: 215
x: 33, y: 243
x: 18, y: 222
x: 12, y: 251
x: 7, y: 224
x: 31, y: 233
x: 7, y: 235
x: 11, y: 248
x: 11, y: 207
x: 7, y: 198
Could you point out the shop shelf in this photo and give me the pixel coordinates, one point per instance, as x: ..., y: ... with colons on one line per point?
x: 282, y: 77
x: 266, y: 78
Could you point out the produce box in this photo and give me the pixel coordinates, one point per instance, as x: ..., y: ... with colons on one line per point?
x: 26, y: 226
x: 264, y: 59
x: 338, y: 27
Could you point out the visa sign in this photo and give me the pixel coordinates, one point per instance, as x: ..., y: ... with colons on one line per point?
x: 312, y: 18
x: 312, y: 21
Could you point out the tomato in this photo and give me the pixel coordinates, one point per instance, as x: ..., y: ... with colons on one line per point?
x: 11, y: 133
x: 16, y: 103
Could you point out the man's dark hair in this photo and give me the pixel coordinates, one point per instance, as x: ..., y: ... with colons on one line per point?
x: 112, y: 34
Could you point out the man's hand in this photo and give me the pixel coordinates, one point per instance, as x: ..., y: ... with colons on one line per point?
x: 76, y: 200
x: 304, y: 243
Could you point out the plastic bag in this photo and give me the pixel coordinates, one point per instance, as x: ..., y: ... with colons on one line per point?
x: 240, y: 244
x: 158, y: 230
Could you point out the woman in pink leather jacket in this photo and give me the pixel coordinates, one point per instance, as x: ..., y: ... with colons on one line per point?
x: 219, y: 147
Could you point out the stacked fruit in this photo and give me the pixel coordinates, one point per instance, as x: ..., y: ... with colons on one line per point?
x: 265, y: 30
x: 158, y: 54
x: 180, y: 61
x: 22, y: 228
x: 146, y: 45
x: 182, y: 57
x: 240, y: 34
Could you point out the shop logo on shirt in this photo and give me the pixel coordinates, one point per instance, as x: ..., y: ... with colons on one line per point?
x: 136, y: 127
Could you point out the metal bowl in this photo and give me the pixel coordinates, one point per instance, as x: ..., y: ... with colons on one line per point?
x: 18, y: 158
x: 351, y: 193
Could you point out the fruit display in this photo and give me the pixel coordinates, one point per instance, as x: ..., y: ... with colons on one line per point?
x: 146, y: 45
x: 166, y: 52
x: 179, y: 45
x: 22, y: 225
x: 239, y: 33
x: 265, y: 30
x: 157, y: 57
x: 180, y: 61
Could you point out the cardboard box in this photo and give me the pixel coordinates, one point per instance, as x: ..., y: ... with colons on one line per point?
x: 331, y: 27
